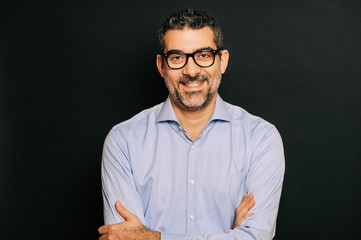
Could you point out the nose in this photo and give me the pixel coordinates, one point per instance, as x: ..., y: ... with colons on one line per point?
x: 191, y: 68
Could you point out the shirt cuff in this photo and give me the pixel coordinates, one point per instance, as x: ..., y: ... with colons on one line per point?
x: 171, y: 236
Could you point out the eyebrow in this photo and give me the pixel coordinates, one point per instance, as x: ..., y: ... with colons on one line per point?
x: 199, y: 49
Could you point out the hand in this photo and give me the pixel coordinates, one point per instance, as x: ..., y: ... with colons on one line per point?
x: 241, y: 212
x: 132, y: 228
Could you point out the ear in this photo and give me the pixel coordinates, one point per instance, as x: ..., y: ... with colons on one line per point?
x: 159, y: 63
x: 224, y: 60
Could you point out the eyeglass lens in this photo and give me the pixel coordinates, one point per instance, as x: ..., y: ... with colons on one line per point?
x: 179, y: 60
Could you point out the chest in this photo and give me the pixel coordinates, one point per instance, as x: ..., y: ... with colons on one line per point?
x: 212, y: 167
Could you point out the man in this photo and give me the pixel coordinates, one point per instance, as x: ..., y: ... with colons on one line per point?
x: 181, y: 168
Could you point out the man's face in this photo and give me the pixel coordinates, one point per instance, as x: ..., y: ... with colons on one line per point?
x: 192, y: 87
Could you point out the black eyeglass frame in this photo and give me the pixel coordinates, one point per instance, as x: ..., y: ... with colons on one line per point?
x: 215, y: 52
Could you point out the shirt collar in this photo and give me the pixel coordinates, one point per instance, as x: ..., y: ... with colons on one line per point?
x: 220, y: 112
x: 167, y: 113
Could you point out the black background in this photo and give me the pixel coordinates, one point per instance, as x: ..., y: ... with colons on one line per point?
x: 69, y: 71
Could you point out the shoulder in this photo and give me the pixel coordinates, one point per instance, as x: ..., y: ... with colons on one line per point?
x: 253, y: 128
x: 262, y: 136
x: 252, y: 122
x: 138, y: 123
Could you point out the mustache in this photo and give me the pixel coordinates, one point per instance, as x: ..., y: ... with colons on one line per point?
x: 187, y: 79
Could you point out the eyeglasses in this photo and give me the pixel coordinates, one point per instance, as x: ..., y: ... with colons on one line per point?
x: 203, y: 58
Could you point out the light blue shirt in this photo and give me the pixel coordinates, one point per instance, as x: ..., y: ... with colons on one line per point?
x: 190, y: 189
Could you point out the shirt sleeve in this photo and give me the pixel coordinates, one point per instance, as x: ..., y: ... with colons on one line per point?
x: 117, y: 179
x: 264, y: 180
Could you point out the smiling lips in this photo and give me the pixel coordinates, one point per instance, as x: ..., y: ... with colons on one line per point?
x: 193, y: 84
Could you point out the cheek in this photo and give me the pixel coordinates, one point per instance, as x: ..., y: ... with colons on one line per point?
x: 214, y: 74
x: 169, y: 80
x: 171, y: 76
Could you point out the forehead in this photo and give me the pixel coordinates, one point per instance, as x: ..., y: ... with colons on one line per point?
x: 189, y: 40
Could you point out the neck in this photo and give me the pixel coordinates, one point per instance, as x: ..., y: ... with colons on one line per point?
x: 194, y: 121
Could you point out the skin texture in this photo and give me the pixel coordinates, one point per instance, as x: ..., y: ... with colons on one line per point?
x: 133, y: 229
x: 247, y: 203
x: 193, y: 107
x: 188, y: 41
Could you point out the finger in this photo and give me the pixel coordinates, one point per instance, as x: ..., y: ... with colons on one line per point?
x: 243, y: 211
x: 123, y: 211
x: 247, y: 202
x: 103, y: 230
x: 240, y: 220
x: 104, y: 237
x: 251, y: 204
x: 246, y: 199
x: 249, y: 215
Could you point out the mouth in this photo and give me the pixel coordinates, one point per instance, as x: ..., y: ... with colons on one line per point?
x: 193, y: 84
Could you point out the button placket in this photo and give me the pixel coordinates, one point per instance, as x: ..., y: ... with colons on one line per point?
x: 191, y: 188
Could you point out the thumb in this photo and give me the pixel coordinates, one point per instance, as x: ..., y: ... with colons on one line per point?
x: 123, y: 211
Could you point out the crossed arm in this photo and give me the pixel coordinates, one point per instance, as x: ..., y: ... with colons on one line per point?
x: 264, y: 180
x: 132, y: 228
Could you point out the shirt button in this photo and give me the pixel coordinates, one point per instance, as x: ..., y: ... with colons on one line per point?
x: 191, y: 217
x: 180, y: 128
x: 193, y: 147
x: 191, y: 181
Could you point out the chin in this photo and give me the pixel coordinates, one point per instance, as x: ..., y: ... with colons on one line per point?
x: 195, y: 105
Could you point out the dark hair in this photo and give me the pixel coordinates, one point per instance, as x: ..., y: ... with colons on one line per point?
x: 193, y: 19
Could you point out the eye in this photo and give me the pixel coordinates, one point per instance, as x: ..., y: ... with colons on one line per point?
x: 176, y: 58
x: 204, y: 55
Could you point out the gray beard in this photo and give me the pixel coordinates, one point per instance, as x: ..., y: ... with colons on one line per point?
x: 179, y: 101
x: 177, y: 98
